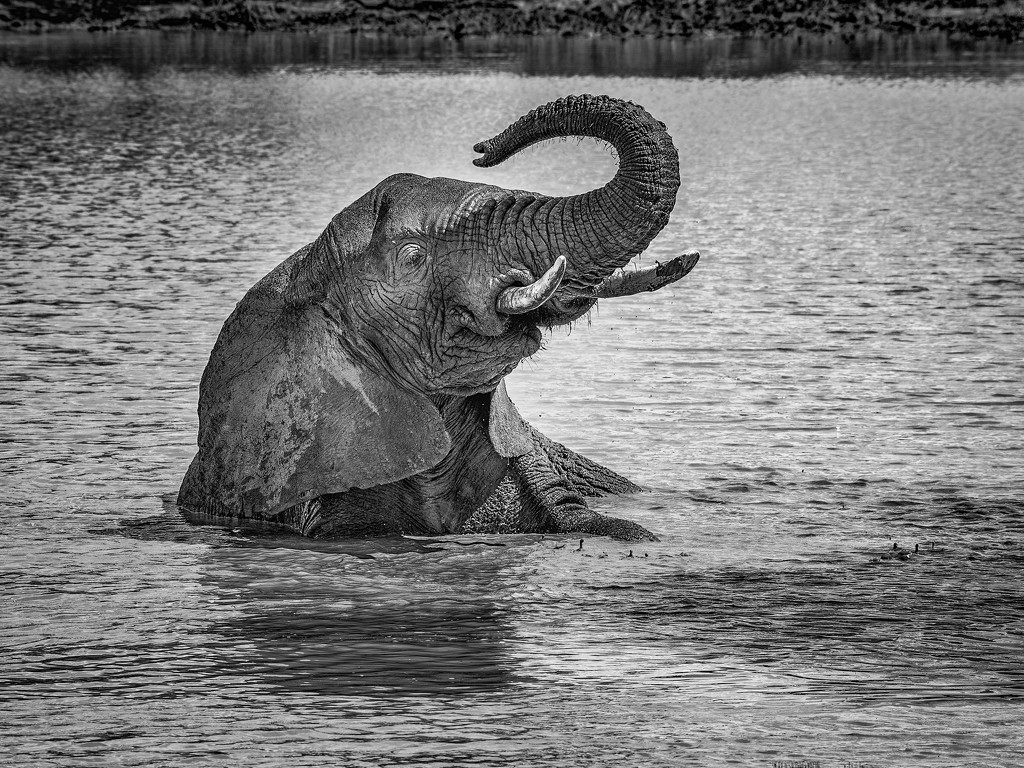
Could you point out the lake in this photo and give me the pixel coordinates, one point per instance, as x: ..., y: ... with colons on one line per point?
x: 843, y: 371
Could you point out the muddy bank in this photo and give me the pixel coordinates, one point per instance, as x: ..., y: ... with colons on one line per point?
x: 659, y: 18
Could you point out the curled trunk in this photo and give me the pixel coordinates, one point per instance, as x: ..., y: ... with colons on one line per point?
x: 599, y: 230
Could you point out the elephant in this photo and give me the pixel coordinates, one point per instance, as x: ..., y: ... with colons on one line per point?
x: 357, y: 390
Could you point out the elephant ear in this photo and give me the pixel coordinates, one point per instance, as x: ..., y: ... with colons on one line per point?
x: 286, y: 416
x: 510, y: 435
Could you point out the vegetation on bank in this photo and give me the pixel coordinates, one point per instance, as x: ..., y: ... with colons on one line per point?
x: 459, y: 18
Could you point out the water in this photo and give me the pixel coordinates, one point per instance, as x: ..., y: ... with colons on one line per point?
x: 842, y: 371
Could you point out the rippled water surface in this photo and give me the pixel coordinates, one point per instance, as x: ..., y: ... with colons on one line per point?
x: 843, y: 370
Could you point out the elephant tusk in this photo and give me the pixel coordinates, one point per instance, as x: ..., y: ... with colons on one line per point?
x: 521, y: 299
x: 623, y: 283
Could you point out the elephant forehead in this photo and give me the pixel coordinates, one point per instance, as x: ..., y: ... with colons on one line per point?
x: 438, y: 204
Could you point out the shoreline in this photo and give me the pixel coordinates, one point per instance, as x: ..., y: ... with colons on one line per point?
x: 959, y: 19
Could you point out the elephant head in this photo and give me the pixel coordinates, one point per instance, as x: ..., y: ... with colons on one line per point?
x: 338, y: 370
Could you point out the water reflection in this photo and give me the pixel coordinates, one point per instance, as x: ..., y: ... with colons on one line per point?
x: 877, y: 54
x: 369, y: 643
x: 382, y: 617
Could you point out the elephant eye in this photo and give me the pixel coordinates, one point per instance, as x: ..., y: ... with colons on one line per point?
x: 411, y: 254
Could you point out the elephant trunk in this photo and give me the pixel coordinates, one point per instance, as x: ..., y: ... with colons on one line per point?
x: 601, y: 230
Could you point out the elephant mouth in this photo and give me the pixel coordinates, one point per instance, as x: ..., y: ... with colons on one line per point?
x: 523, y: 337
x: 519, y: 337
x: 562, y: 310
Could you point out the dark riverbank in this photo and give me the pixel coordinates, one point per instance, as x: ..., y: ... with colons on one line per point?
x: 965, y: 19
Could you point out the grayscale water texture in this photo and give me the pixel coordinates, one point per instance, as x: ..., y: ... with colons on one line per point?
x: 844, y: 370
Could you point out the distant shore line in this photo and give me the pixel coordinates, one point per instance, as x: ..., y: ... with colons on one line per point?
x: 965, y: 19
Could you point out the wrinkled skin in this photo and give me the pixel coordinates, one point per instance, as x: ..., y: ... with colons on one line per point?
x: 357, y: 390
